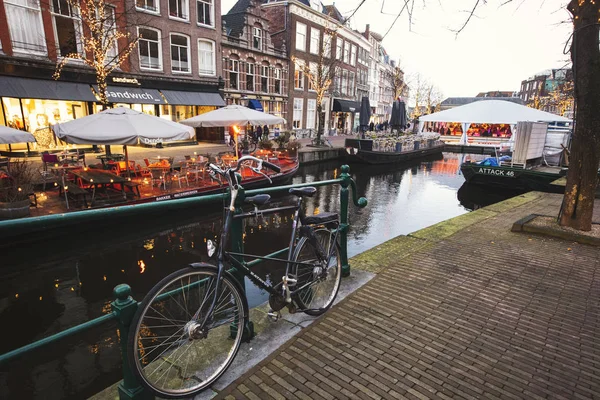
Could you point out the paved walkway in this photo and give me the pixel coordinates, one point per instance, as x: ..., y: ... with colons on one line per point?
x: 463, y: 310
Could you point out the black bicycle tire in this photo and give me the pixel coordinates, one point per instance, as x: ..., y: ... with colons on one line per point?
x: 252, y: 146
x: 132, y: 337
x: 304, y: 241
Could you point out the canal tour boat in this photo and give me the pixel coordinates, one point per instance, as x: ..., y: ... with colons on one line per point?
x: 392, y: 149
x: 528, y: 168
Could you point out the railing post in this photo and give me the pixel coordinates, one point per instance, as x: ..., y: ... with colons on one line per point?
x: 124, y: 308
x: 236, y: 236
x: 344, y: 195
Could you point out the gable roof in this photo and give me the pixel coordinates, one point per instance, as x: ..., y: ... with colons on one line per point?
x: 333, y: 12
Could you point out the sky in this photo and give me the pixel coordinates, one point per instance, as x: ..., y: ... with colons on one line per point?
x: 499, y: 47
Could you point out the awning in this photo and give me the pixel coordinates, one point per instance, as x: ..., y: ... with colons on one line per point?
x: 255, y: 105
x: 133, y: 95
x: 193, y: 98
x: 44, y: 89
x: 346, y: 105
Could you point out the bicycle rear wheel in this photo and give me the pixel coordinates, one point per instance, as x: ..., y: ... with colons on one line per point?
x: 321, y: 288
x: 168, y: 351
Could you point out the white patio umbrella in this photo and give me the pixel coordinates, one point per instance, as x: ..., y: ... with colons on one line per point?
x: 124, y: 126
x: 233, y: 115
x: 11, y: 135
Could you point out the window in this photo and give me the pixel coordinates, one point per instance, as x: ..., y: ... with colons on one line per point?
x: 110, y: 26
x: 257, y: 38
x: 346, y: 52
x: 315, y: 36
x: 25, y: 25
x: 345, y: 82
x: 300, y: 36
x: 180, y: 53
x: 148, y: 5
x: 264, y: 78
x: 327, y: 39
x: 206, y: 57
x: 313, y: 72
x: 233, y: 72
x: 353, y: 55
x: 297, y: 120
x: 339, y: 43
x: 311, y: 112
x: 250, y: 76
x: 179, y: 9
x: 67, y: 28
x: 205, y: 12
x: 351, y: 83
x: 150, y: 49
x: 299, y: 75
x: 278, y: 80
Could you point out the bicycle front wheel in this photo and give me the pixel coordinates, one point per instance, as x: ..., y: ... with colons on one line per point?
x: 169, y: 351
x: 316, y: 288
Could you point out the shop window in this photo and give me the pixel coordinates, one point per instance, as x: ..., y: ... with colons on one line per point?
x: 180, y: 53
x: 39, y: 115
x: 152, y: 6
x: 250, y: 68
x: 179, y: 9
x: 67, y: 28
x: 150, y: 49
x: 299, y: 75
x: 206, y: 57
x: 311, y: 112
x: 25, y: 25
x: 205, y: 12
x: 257, y: 38
x: 264, y: 78
x: 233, y: 72
x: 297, y: 121
x: 300, y: 36
x: 314, y: 40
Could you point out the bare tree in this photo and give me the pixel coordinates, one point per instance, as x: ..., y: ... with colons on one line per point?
x: 321, y: 75
x: 102, y: 32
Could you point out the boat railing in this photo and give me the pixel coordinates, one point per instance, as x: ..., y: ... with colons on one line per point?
x: 123, y: 306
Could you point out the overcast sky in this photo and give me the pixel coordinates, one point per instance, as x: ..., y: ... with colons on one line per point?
x: 499, y: 47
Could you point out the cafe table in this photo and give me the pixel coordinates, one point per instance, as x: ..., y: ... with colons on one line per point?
x: 98, y: 179
x: 105, y: 158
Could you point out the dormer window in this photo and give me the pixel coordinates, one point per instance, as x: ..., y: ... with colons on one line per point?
x: 257, y: 38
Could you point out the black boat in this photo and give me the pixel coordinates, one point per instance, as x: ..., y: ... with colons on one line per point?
x: 361, y: 151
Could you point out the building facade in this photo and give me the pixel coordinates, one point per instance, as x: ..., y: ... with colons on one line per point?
x: 172, y: 73
x: 303, y: 28
x: 254, y: 70
x: 551, y: 91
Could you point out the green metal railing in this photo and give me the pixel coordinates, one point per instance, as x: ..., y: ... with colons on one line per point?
x: 124, y: 306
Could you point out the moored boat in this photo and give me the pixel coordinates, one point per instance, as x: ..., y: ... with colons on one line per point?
x: 391, y: 149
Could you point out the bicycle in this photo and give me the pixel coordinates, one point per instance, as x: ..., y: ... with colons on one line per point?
x: 189, y: 327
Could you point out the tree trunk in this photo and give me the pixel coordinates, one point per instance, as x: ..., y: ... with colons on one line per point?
x: 320, y: 123
x: 582, y: 178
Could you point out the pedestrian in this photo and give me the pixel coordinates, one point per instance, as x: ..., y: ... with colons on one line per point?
x: 266, y: 131
x: 259, y: 132
x: 371, y: 126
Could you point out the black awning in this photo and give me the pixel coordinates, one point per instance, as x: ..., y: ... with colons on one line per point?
x: 133, y: 95
x: 193, y: 98
x: 25, y: 88
x: 346, y: 106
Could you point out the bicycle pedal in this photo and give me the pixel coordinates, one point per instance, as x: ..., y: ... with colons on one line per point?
x: 274, y: 315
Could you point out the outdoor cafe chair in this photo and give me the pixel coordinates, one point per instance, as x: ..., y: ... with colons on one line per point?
x: 158, y: 177
x: 182, y: 174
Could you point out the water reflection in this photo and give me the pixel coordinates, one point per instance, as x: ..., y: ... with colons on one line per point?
x: 51, y: 285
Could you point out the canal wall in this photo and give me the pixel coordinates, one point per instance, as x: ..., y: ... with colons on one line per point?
x: 312, y: 155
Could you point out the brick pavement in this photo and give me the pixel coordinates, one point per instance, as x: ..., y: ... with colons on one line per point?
x: 477, y: 313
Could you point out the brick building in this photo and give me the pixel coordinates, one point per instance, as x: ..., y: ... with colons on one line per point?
x: 173, y: 72
x: 301, y: 27
x: 254, y: 70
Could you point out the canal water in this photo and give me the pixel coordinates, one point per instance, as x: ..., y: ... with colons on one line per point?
x: 51, y: 285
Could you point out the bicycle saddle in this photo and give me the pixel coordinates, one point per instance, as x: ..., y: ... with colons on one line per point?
x: 305, y: 191
x: 258, y: 200
x: 321, y: 218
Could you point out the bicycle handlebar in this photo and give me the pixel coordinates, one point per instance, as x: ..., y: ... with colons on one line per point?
x: 228, y: 171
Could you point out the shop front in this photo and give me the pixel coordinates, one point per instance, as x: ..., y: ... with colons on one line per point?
x: 35, y: 105
x: 343, y: 115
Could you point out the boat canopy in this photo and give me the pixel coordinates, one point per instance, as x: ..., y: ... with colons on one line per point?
x: 490, y: 112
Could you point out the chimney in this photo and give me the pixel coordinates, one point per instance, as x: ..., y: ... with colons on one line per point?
x: 367, y: 31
